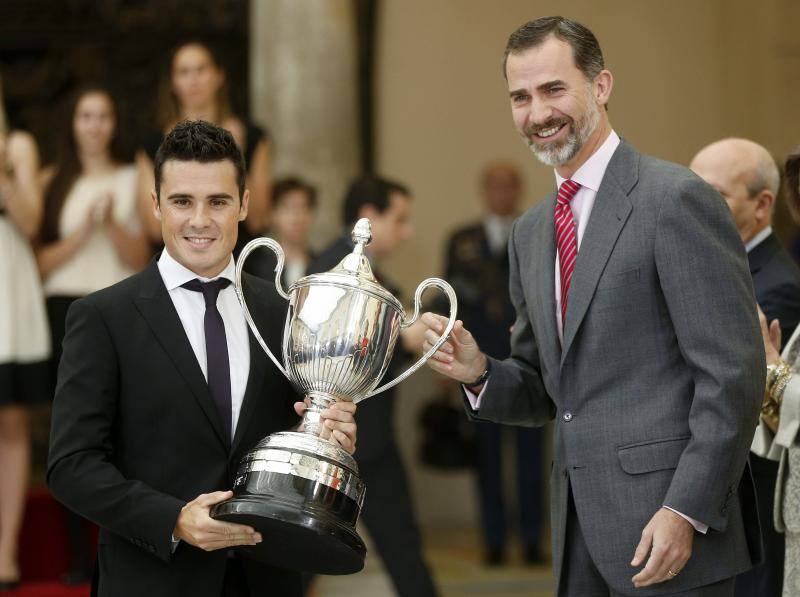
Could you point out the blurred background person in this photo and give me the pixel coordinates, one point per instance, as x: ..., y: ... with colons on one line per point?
x: 24, y: 339
x: 90, y: 238
x: 477, y: 267
x: 777, y: 434
x: 746, y: 175
x: 294, y: 204
x: 195, y: 89
x: 388, y: 511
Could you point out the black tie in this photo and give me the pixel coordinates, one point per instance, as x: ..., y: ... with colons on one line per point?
x: 219, y: 370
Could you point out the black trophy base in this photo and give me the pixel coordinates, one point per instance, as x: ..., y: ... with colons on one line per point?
x: 296, y: 534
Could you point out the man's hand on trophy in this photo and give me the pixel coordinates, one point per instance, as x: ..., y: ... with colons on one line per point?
x: 339, y: 423
x: 459, y: 358
x: 196, y: 527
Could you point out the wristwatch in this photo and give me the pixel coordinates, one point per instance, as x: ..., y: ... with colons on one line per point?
x: 483, y: 376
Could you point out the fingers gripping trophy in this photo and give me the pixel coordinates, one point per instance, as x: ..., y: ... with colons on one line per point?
x: 302, y: 492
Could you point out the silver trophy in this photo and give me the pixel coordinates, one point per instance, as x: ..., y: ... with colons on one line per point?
x: 301, y: 491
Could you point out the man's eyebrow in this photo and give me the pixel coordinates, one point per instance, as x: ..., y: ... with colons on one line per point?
x: 543, y: 87
x: 551, y: 84
x: 174, y: 196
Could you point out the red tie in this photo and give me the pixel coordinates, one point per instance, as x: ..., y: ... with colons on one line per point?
x: 566, y: 240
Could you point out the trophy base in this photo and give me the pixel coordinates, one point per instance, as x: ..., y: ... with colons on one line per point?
x: 304, y: 496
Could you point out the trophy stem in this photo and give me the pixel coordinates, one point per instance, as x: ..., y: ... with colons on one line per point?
x: 312, y: 424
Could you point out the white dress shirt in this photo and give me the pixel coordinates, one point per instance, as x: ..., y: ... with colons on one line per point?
x: 758, y: 239
x: 191, y: 308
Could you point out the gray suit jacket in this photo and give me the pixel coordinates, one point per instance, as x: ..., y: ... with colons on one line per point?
x: 657, y: 388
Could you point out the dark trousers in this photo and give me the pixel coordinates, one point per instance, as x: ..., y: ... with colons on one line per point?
x: 235, y: 581
x: 766, y: 578
x: 389, y: 517
x: 529, y: 484
x: 581, y: 578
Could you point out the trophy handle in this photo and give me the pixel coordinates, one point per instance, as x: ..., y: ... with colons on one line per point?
x: 451, y: 295
x: 248, y: 248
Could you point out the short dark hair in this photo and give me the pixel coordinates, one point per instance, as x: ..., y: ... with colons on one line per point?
x: 585, y: 48
x: 287, y: 185
x: 370, y: 190
x: 199, y: 141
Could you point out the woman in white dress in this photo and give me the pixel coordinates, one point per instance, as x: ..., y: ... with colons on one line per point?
x: 24, y: 339
x: 777, y: 436
x: 90, y: 238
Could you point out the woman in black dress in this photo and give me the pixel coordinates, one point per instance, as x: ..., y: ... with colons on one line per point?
x: 195, y: 89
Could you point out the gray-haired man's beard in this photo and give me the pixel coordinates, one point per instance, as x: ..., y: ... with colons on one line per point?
x: 561, y: 152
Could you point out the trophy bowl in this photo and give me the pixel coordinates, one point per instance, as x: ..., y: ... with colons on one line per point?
x: 302, y: 492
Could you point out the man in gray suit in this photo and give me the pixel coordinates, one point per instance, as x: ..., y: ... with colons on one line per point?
x: 636, y: 330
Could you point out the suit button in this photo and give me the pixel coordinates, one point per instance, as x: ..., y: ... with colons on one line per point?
x: 567, y: 416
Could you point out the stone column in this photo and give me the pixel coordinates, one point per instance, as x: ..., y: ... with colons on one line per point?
x: 303, y: 88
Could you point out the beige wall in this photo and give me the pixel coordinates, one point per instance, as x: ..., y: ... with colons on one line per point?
x: 686, y: 73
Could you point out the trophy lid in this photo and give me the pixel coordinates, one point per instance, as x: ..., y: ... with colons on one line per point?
x: 354, y: 271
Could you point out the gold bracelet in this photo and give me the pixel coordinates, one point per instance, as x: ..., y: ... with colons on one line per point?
x: 775, y: 371
x: 780, y: 386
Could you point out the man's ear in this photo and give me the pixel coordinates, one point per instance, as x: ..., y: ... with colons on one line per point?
x: 245, y: 204
x: 766, y: 201
x: 602, y: 85
x: 156, y: 205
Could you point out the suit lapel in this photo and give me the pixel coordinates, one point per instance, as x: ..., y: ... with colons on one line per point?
x: 609, y: 214
x: 763, y: 252
x: 157, y: 308
x: 545, y: 273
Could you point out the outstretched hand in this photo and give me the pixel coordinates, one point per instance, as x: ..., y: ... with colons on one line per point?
x: 459, y: 358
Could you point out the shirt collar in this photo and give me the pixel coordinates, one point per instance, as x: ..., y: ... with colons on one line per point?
x: 591, y: 172
x: 175, y: 274
x: 758, y: 239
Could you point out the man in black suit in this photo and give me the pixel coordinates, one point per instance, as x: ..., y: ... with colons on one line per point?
x: 162, y: 389
x: 388, y: 513
x: 477, y: 267
x: 747, y: 177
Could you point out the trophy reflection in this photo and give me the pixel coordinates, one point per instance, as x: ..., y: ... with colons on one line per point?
x: 302, y: 492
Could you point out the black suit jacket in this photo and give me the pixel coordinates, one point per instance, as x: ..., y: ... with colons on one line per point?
x: 135, y: 435
x: 480, y: 280
x: 375, y: 417
x: 776, y: 280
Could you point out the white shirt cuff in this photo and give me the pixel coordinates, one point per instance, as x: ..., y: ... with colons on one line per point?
x: 698, y: 526
x: 475, y: 400
x: 175, y: 543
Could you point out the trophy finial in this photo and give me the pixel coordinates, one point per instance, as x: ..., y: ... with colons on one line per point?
x: 362, y: 232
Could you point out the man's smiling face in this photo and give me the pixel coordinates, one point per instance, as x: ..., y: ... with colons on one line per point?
x: 552, y: 103
x: 200, y: 213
